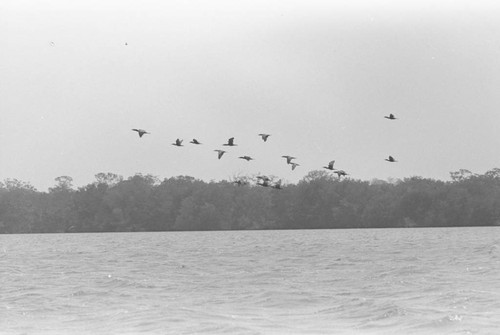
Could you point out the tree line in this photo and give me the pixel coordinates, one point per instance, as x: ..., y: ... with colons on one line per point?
x: 319, y: 200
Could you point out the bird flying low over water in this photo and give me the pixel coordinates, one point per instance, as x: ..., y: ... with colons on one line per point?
x: 391, y: 117
x: 195, y: 141
x: 277, y: 185
x: 230, y: 142
x: 265, y: 183
x: 391, y: 159
x: 264, y: 136
x: 294, y: 165
x: 264, y: 178
x: 140, y: 132
x: 178, y: 143
x: 220, y: 153
x: 240, y: 182
x: 247, y: 158
x: 288, y: 159
x: 341, y: 173
x: 330, y: 166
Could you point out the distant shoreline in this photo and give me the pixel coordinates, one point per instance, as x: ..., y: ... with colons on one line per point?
x: 319, y: 201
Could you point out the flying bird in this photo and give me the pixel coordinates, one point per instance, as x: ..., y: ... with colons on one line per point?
x: 391, y: 159
x: 330, y: 166
x: 247, y: 158
x: 264, y: 136
x: 288, y: 159
x: 264, y: 178
x: 230, y: 142
x: 178, y: 143
x: 294, y: 165
x: 341, y: 173
x: 391, y: 117
x: 140, y: 132
x: 220, y: 153
x: 265, y: 181
x: 195, y: 141
x: 277, y: 185
x: 240, y: 182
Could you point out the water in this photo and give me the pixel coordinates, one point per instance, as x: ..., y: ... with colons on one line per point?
x: 373, y: 281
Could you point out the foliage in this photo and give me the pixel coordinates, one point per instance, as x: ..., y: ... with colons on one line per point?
x: 319, y: 200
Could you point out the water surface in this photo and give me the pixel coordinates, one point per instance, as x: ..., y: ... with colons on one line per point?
x: 373, y: 281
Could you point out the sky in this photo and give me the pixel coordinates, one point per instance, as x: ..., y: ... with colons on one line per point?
x: 319, y: 76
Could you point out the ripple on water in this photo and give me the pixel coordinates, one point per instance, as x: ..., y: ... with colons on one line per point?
x: 400, y: 281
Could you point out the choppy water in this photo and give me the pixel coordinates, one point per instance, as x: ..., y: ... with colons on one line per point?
x: 383, y: 281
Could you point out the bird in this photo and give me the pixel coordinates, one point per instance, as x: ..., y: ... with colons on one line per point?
x: 264, y: 136
x: 247, y: 158
x: 330, y: 166
x: 230, y: 142
x: 391, y: 159
x: 288, y: 159
x: 265, y: 181
x: 391, y: 117
x: 294, y: 165
x: 240, y: 182
x: 221, y: 152
x: 178, y: 143
x: 264, y: 178
x: 340, y: 173
x: 195, y: 141
x: 277, y: 185
x: 141, y: 132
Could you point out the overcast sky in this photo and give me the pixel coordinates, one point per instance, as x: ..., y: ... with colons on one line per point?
x: 77, y: 76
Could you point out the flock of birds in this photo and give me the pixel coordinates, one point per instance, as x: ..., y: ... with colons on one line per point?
x: 265, y: 181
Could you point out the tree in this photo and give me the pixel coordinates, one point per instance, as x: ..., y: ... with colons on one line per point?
x: 109, y: 179
x: 17, y: 207
x: 319, y: 200
x: 129, y: 203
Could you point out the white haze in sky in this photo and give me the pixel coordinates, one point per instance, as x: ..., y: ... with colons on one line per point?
x: 77, y: 76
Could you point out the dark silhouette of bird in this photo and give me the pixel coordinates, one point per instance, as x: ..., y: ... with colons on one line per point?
x: 264, y: 178
x: 288, y: 159
x: 247, y: 158
x: 264, y: 136
x: 240, y: 182
x: 341, y: 173
x: 330, y: 165
x: 294, y: 165
x: 195, y: 141
x: 277, y: 185
x: 265, y: 181
x: 230, y: 142
x: 220, y: 153
x: 140, y: 132
x: 391, y: 117
x: 178, y: 143
x: 391, y: 159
